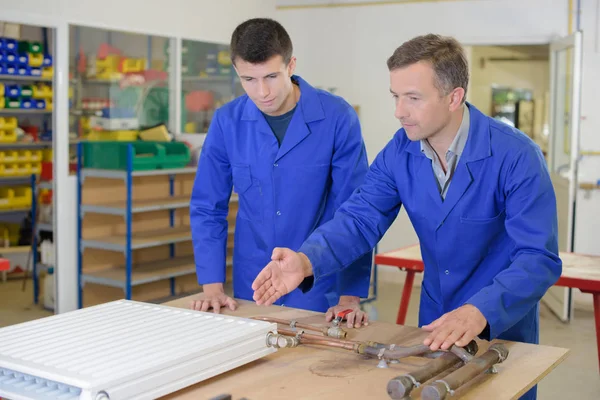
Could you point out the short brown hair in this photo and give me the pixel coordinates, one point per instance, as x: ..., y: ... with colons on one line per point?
x: 257, y: 40
x: 445, y: 54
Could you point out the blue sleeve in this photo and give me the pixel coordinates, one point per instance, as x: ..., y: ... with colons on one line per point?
x: 209, y: 206
x: 359, y: 223
x: 531, y: 221
x: 349, y: 168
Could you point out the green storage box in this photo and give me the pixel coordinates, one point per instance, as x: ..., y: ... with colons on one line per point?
x: 26, y: 91
x: 177, y: 155
x: 113, y: 155
x: 30, y: 47
x: 146, y: 155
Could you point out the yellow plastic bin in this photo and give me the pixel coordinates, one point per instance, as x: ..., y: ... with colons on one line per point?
x: 47, y: 155
x: 47, y: 72
x: 35, y: 155
x: 35, y: 168
x: 6, y: 196
x: 36, y: 60
x: 8, y: 123
x: 113, y: 136
x: 42, y: 92
x: 8, y: 156
x: 17, y: 169
x: 7, y: 136
x: 23, y: 156
x: 22, y: 197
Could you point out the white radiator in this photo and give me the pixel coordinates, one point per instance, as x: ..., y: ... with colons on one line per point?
x: 124, y: 350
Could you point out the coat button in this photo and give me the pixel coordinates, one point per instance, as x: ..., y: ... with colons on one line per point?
x: 447, y: 272
x: 278, y: 212
x: 276, y: 165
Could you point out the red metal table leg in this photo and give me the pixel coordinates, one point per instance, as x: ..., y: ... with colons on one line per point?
x: 597, y: 317
x: 405, y: 299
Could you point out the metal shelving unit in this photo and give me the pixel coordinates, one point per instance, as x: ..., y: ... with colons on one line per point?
x: 14, y: 111
x: 129, y: 275
x: 23, y: 78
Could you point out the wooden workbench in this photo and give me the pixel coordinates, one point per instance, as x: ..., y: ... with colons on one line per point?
x: 579, y: 271
x: 311, y: 372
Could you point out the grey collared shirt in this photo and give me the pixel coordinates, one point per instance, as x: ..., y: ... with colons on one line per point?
x: 452, y: 155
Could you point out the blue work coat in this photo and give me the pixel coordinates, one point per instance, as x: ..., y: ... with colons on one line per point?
x: 491, y: 243
x: 285, y: 192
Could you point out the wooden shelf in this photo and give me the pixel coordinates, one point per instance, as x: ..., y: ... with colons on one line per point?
x: 143, y: 240
x: 145, y: 273
x: 118, y: 208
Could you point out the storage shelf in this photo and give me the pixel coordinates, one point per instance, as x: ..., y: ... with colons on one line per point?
x: 11, y: 111
x: 15, y: 180
x: 6, y: 77
x: 118, y: 208
x: 24, y: 145
x: 44, y: 227
x: 144, y: 273
x: 15, y: 211
x: 117, y: 174
x: 141, y: 240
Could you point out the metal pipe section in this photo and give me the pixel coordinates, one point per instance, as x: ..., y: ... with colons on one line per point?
x: 438, y: 390
x: 307, y: 338
x: 335, y: 332
x: 402, y: 386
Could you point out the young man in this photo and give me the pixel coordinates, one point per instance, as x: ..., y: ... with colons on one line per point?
x: 293, y: 154
x: 477, y: 192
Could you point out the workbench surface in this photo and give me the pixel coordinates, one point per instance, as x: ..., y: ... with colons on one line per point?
x: 314, y: 372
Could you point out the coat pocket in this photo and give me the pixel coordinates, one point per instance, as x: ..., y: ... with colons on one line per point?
x: 249, y: 192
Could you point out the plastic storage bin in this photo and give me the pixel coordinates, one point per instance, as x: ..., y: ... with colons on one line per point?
x: 177, y: 155
x: 8, y: 123
x: 18, y: 197
x: 146, y: 155
x: 8, y: 136
x: 113, y: 136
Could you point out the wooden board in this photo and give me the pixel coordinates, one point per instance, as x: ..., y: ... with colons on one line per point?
x: 311, y: 372
x: 580, y: 266
x: 577, y: 266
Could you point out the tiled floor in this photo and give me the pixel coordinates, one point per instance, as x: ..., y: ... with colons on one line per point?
x: 576, y: 378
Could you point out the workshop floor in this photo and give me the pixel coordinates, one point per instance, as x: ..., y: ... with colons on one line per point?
x: 577, y: 377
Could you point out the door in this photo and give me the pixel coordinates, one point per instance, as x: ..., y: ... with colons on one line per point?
x: 565, y: 100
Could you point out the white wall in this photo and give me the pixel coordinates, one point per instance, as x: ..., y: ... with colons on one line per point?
x: 347, y: 48
x: 195, y: 19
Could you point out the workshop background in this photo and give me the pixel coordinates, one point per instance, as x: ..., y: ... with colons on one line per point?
x: 86, y: 85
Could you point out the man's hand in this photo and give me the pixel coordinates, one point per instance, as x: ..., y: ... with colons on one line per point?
x: 457, y: 327
x: 355, y: 318
x: 215, y: 298
x: 283, y: 274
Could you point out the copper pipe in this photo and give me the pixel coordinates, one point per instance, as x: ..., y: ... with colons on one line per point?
x: 401, y: 386
x: 311, y: 336
x: 293, y: 324
x: 438, y: 390
x: 307, y: 338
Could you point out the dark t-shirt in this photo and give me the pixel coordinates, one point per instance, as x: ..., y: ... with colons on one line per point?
x: 279, y: 124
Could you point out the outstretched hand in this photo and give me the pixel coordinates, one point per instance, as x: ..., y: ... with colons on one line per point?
x: 284, y: 273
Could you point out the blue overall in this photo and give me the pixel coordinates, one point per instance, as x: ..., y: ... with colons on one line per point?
x: 285, y: 192
x: 493, y: 241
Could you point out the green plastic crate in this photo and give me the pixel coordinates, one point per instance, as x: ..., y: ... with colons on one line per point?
x: 30, y: 47
x: 146, y: 155
x: 113, y: 155
x: 177, y: 155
